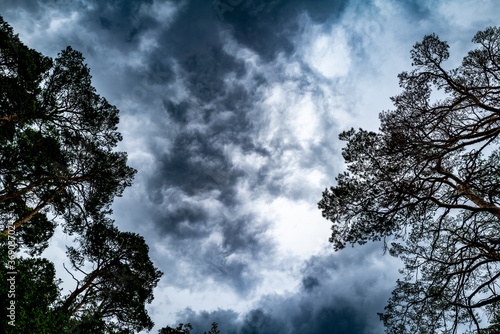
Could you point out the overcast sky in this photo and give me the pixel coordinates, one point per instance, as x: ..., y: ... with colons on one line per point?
x: 230, y: 112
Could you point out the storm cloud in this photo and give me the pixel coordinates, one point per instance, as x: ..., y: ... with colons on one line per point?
x: 230, y: 111
x: 332, y: 298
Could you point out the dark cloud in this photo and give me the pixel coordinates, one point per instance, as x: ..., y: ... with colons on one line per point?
x: 202, y: 321
x: 234, y: 273
x: 192, y: 82
x: 177, y: 111
x: 119, y: 23
x: 336, y: 297
x: 243, y: 234
x: 268, y: 27
x: 206, y: 72
x: 257, y: 322
x: 309, y: 283
x: 182, y: 221
x: 334, y: 320
x: 194, y: 164
x: 417, y: 10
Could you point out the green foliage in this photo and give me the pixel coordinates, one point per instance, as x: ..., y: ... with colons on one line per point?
x: 57, y: 160
x: 429, y: 181
x: 121, y: 281
x: 187, y: 328
x: 494, y: 327
x: 181, y: 329
x: 35, y: 291
x: 214, y: 329
x: 56, y: 154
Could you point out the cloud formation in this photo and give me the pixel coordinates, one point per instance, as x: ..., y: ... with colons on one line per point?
x: 333, y: 297
x: 230, y: 111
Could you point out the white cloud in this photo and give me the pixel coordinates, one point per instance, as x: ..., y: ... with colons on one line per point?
x: 298, y: 228
x: 465, y: 14
x: 328, y: 53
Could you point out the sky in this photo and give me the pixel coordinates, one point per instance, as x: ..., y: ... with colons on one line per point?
x: 230, y: 110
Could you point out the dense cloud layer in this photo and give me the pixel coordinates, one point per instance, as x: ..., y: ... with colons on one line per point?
x: 230, y: 110
x: 332, y: 298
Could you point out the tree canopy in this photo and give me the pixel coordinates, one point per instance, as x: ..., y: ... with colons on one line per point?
x: 58, y: 166
x: 429, y: 182
x: 187, y: 328
x: 57, y: 138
